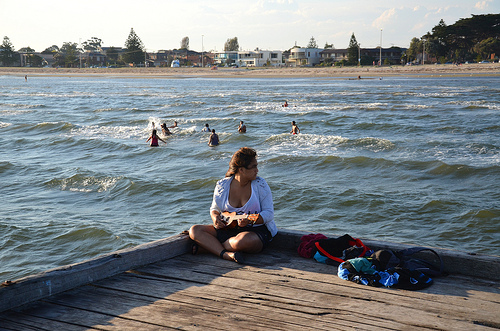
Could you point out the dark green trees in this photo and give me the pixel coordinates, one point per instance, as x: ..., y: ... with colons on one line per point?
x: 7, y: 54
x: 232, y: 45
x: 465, y: 40
x: 134, y: 52
x: 353, y: 51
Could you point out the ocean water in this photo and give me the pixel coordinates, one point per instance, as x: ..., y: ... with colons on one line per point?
x: 402, y: 159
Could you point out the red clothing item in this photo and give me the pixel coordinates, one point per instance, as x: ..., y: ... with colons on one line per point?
x: 154, y: 141
x: 307, y: 245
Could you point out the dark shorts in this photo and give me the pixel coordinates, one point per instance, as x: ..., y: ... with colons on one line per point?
x: 262, y: 231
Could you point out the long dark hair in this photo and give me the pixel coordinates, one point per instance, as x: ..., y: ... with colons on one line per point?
x: 242, y: 158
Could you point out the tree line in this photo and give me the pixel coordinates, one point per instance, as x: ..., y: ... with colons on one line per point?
x: 468, y: 39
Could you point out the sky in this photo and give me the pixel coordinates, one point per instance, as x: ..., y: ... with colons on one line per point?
x: 263, y: 24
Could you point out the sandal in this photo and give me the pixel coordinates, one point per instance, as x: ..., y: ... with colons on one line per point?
x: 194, y: 248
x: 237, y: 256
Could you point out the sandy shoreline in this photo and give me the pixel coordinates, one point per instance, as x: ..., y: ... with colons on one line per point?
x: 492, y: 69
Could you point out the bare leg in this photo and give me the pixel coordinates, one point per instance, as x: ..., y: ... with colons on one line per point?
x: 247, y: 242
x: 206, y: 237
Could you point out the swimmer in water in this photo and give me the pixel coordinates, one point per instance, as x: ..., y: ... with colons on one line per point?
x: 154, y: 139
x: 165, y: 130
x: 295, y: 128
x: 206, y: 128
x: 242, y: 128
x: 214, y: 139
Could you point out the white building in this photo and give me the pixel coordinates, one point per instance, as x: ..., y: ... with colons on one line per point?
x: 257, y: 58
x: 304, y: 56
x: 260, y: 58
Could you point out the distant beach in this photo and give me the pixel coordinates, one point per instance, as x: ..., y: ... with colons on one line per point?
x: 433, y: 70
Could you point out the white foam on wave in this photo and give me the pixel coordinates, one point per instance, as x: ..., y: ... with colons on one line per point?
x: 88, y: 184
x: 303, y: 144
x: 104, y: 132
x: 74, y: 94
x: 476, y: 104
x: 315, y: 144
x: 4, y: 125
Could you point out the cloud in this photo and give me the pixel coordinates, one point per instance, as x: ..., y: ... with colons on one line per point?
x: 482, y: 4
x: 386, y: 17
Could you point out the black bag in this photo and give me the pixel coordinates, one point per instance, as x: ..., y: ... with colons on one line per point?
x: 411, y: 262
x: 386, y: 259
x: 412, y: 280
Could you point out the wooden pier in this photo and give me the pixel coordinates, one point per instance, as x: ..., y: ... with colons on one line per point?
x: 164, y: 287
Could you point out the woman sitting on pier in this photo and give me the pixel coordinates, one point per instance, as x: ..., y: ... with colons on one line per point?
x: 241, y: 192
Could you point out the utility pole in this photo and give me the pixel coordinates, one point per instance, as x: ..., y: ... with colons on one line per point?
x: 80, y: 51
x: 380, y: 60
x: 423, y: 51
x: 202, y: 64
x: 359, y: 54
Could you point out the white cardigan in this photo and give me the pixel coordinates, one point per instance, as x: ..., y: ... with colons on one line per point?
x: 259, y: 186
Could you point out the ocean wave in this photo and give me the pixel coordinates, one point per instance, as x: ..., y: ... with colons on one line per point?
x: 5, y: 166
x: 53, y: 127
x: 373, y: 144
x: 73, y: 94
x: 457, y: 170
x: 4, y: 125
x: 22, y: 105
x: 99, y: 110
x: 84, y: 183
x: 442, y: 94
x: 106, y: 132
x: 483, y: 149
x: 313, y: 144
x: 475, y: 104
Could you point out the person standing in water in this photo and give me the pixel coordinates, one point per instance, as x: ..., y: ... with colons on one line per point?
x: 214, y: 139
x: 154, y: 139
x: 295, y: 128
x: 165, y: 130
x: 242, y: 128
x: 206, y: 128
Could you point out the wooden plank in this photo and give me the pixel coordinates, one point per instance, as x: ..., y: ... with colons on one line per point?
x: 42, y: 285
x: 277, y: 289
x: 308, y: 269
x: 21, y: 321
x: 461, y: 306
x: 154, y: 311
x: 254, y: 306
x: 62, y: 310
x: 286, y: 310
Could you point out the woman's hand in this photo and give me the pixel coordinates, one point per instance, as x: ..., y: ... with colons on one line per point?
x: 244, y: 222
x: 218, y: 221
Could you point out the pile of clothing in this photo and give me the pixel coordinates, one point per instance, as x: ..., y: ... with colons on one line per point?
x: 362, y: 265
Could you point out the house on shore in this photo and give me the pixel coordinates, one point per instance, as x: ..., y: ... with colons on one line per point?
x: 300, y: 56
x: 164, y: 58
x: 368, y: 56
x: 256, y: 58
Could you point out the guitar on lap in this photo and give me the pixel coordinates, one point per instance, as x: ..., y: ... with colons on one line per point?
x: 231, y: 219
